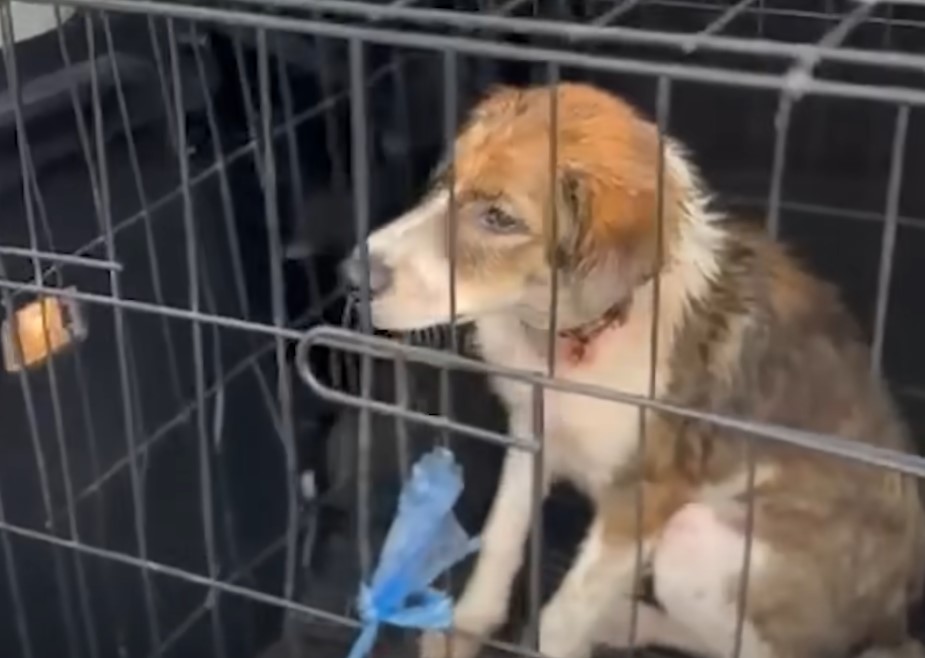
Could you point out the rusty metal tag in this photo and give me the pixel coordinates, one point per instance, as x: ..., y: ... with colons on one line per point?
x: 41, y: 329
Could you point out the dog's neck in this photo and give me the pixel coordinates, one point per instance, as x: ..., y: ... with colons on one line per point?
x: 615, y: 315
x: 681, y: 278
x: 574, y: 342
x: 578, y: 339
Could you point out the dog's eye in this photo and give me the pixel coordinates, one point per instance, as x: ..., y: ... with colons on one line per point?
x: 495, y: 219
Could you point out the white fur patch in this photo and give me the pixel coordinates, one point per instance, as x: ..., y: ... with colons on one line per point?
x: 700, y: 238
x: 601, y: 574
x: 397, y: 236
x: 697, y: 560
x: 412, y: 247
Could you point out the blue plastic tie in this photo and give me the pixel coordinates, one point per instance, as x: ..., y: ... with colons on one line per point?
x: 424, y: 541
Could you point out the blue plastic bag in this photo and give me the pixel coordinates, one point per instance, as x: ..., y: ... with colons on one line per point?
x: 424, y: 541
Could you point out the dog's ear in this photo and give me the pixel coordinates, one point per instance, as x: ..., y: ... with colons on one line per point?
x: 608, y: 217
x: 568, y: 229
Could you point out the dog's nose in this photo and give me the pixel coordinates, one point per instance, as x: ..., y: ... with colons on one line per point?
x: 380, y: 274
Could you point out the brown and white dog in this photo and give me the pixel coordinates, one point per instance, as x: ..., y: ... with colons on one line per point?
x: 742, y: 330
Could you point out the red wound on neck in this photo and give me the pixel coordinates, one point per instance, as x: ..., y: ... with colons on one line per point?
x: 575, y: 350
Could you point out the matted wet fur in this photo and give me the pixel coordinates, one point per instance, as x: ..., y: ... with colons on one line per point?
x: 744, y: 330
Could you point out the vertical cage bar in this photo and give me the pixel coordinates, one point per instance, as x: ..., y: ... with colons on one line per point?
x: 284, y: 384
x: 247, y: 100
x: 782, y: 132
x: 58, y: 553
x: 450, y: 119
x: 31, y: 183
x: 295, y: 163
x: 207, y: 503
x: 332, y: 138
x: 663, y: 117
x: 403, y: 401
x: 314, y: 292
x: 110, y: 594
x: 224, y: 187
x: 403, y: 114
x: 360, y: 168
x: 888, y: 27
x: 228, y: 217
x: 121, y: 335
x: 140, y: 425
x: 83, y: 134
x: 226, y: 512
x: 552, y: 77
x: 12, y: 575
x: 742, y: 594
x: 782, y: 126
x: 42, y: 208
x: 162, y: 78
x: 535, y: 544
x: 538, y: 489
x: 61, y: 444
x: 888, y: 240
x: 450, y: 106
x: 147, y: 220
x: 450, y: 80
x: 25, y: 163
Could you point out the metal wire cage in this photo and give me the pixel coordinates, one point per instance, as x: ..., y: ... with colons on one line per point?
x: 172, y: 211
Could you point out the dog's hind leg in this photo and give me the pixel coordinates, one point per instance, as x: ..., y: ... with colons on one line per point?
x: 696, y: 563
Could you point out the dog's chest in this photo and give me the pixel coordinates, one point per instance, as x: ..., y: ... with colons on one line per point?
x: 587, y: 438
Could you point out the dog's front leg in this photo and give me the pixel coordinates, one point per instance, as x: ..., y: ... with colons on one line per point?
x: 601, y: 570
x: 602, y: 575
x: 483, y: 606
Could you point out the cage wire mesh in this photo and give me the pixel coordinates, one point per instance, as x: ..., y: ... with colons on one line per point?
x: 185, y: 180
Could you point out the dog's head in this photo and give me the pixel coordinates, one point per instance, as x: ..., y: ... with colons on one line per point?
x: 507, y: 219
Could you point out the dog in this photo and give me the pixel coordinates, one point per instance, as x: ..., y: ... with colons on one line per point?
x: 623, y: 227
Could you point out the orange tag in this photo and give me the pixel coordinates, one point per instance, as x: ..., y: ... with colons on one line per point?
x: 43, y: 328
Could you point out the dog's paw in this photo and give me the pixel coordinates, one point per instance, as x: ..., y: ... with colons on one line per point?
x: 558, y: 638
x: 476, y: 616
x: 434, y: 644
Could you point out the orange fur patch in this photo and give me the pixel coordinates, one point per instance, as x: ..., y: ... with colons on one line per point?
x: 505, y: 152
